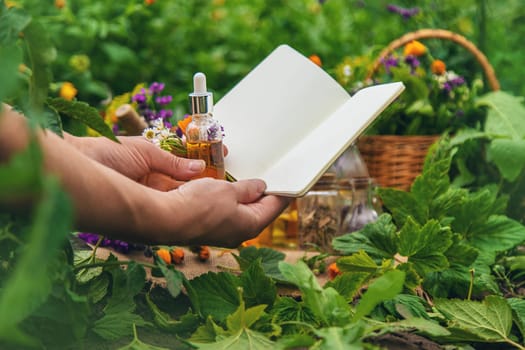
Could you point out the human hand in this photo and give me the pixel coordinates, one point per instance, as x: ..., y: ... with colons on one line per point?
x: 217, y: 212
x: 139, y: 160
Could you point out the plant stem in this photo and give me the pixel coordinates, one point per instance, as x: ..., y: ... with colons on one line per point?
x: 111, y: 263
x: 471, y: 285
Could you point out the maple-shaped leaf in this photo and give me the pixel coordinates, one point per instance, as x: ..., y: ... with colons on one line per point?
x: 487, y: 321
x: 378, y: 239
x: 237, y: 334
x: 424, y: 246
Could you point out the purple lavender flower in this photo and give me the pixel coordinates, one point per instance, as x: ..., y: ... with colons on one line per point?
x: 90, y: 238
x: 156, y: 87
x: 389, y: 62
x: 139, y: 98
x: 163, y: 100
x: 406, y: 13
x: 452, y: 83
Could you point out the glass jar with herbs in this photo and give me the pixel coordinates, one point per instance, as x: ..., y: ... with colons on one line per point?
x: 319, y: 214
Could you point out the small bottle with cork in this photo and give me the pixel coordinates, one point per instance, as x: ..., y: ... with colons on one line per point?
x: 204, y: 134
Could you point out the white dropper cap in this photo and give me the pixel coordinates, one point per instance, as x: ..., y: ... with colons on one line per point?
x: 201, y: 100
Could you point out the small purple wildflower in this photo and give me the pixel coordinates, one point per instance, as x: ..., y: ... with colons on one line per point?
x: 406, y: 13
x: 156, y: 87
x: 139, y: 98
x: 449, y: 85
x: 390, y: 62
x: 413, y: 62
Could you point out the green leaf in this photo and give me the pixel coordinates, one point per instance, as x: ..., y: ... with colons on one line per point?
x: 174, y: 278
x: 214, y: 294
x: 348, y: 284
x: 378, y: 239
x: 30, y: 283
x: 257, y: 287
x: 10, y: 59
x: 402, y: 205
x: 497, y: 235
x: 288, y: 309
x: 269, y: 259
x: 238, y: 334
x: 118, y: 325
x: 422, y: 325
x: 41, y: 54
x: 509, y: 157
x: 506, y: 114
x: 184, y: 327
x: 126, y: 285
x: 343, y: 338
x: 518, y: 313
x: 358, y: 262
x: 383, y: 288
x: 12, y: 22
x: 83, y: 112
x: 424, y: 246
x: 475, y: 209
x: 407, y: 306
x: 326, y: 304
x: 488, y: 321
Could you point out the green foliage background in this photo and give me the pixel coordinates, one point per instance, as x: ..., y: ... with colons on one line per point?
x: 128, y: 42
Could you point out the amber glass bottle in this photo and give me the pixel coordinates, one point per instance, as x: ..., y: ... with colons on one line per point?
x: 204, y: 134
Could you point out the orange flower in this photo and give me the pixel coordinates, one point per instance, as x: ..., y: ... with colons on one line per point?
x: 165, y: 255
x: 149, y: 2
x: 438, y: 67
x: 316, y: 59
x: 60, y: 4
x: 68, y: 91
x: 333, y: 271
x: 415, y: 48
x: 177, y: 255
x: 183, y: 124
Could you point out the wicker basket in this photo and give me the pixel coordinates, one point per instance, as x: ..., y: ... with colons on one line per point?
x: 395, y: 160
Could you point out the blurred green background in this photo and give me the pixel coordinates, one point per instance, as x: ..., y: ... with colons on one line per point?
x: 105, y: 48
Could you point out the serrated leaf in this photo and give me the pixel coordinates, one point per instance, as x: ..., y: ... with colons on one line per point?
x: 402, y: 205
x: 488, y: 321
x: 497, y: 235
x: 424, y: 246
x: 288, y: 309
x: 269, y: 260
x: 425, y: 326
x: 257, y: 287
x: 83, y: 112
x: 475, y: 209
x: 238, y: 334
x: 383, y: 288
x: 378, y: 239
x: 407, y: 306
x: 174, y: 278
x: 358, y: 262
x: 214, y: 294
x: 509, y: 157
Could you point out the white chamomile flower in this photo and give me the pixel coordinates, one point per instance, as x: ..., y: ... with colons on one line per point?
x: 149, y: 133
x: 164, y: 134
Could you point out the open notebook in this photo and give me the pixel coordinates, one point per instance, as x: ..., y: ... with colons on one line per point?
x: 288, y: 120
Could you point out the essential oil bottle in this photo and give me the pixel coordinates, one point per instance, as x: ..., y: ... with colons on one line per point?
x: 204, y: 134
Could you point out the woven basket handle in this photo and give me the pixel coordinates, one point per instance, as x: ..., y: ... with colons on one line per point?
x: 440, y: 34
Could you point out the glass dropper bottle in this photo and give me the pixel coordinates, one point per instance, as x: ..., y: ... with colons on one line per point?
x: 204, y: 134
